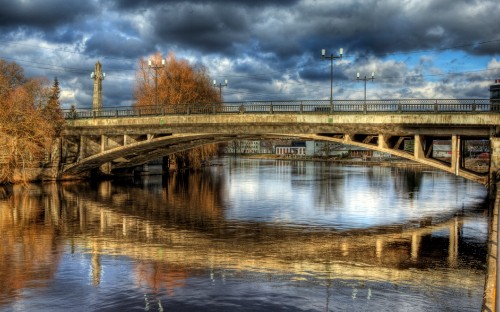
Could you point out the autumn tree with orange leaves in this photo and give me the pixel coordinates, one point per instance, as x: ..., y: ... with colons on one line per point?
x: 179, y: 83
x: 29, y: 111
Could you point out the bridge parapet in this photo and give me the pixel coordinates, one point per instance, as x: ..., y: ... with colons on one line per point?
x: 400, y: 106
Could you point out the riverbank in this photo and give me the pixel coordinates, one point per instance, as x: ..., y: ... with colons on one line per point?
x: 394, y: 162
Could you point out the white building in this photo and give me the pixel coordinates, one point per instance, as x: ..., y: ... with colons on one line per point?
x: 291, y: 150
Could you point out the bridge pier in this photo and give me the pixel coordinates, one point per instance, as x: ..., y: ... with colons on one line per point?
x: 106, y: 167
x: 165, y: 165
x: 379, y: 247
x: 383, y: 141
x: 494, y: 164
x: 418, y: 149
x: 89, y: 145
x: 416, y: 240
x: 455, y: 153
x: 81, y: 148
x: 453, y: 243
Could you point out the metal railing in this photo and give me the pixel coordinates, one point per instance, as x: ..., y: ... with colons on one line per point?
x: 405, y: 106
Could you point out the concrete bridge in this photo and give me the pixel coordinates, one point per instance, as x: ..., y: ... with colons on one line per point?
x: 114, y: 138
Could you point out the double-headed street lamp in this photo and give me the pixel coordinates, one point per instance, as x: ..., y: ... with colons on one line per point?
x: 365, y: 79
x: 331, y: 58
x: 220, y: 88
x: 156, y: 68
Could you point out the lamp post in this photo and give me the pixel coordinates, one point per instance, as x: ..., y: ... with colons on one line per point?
x: 331, y: 58
x: 220, y: 88
x: 365, y: 79
x: 156, y: 68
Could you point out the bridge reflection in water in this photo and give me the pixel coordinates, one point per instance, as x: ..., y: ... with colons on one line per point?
x: 182, y: 232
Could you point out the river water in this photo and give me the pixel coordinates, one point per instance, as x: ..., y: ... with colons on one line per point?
x: 247, y: 235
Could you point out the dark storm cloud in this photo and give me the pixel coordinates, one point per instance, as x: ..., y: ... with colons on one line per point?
x: 137, y: 4
x: 44, y: 15
x: 263, y: 47
x: 312, y: 74
x: 381, y: 27
x: 64, y: 34
x: 361, y: 27
x: 208, y: 28
x: 112, y: 43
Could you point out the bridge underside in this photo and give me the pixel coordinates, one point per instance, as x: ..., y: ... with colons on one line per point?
x: 82, y: 153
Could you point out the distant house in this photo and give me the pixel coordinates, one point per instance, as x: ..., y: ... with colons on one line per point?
x: 297, y: 148
x: 441, y: 149
x: 333, y: 149
x: 251, y: 147
x: 301, y: 149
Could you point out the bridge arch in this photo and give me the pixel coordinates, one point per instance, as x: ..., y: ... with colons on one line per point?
x: 154, y: 147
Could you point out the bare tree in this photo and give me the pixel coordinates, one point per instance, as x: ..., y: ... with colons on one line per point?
x: 178, y: 84
x: 25, y: 133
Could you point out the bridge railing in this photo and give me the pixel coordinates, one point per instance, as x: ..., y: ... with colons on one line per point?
x: 298, y: 107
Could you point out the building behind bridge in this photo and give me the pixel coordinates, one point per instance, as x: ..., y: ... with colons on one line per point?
x: 495, y: 91
x: 293, y: 148
x: 475, y: 150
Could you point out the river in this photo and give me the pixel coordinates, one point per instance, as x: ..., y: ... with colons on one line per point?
x: 247, y: 235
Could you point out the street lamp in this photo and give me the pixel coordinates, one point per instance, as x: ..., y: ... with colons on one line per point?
x: 156, y: 68
x: 331, y: 58
x: 365, y: 79
x: 220, y: 88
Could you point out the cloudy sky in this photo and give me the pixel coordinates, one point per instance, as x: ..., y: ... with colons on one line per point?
x: 265, y: 49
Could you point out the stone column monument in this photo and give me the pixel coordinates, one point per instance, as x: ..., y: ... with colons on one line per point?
x: 98, y: 77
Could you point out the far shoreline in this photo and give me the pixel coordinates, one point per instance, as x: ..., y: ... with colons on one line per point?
x: 395, y: 162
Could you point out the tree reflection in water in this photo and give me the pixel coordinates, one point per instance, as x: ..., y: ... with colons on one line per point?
x: 29, y: 248
x: 178, y: 230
